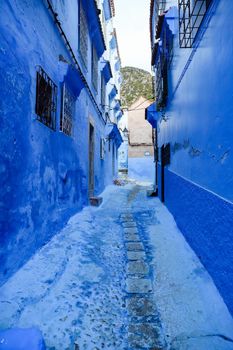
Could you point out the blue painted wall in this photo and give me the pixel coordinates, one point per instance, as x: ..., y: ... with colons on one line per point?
x: 43, y: 173
x: 198, y: 125
x: 206, y: 220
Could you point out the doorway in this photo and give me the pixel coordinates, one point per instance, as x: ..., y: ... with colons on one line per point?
x: 165, y: 160
x: 91, y: 160
x: 162, y: 174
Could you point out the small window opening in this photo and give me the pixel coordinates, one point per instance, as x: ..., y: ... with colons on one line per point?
x: 46, y: 99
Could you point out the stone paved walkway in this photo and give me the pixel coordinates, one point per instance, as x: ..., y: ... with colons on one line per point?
x: 144, y: 327
x: 118, y: 277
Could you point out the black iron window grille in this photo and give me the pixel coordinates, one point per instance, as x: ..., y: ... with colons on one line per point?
x: 94, y: 68
x: 46, y: 99
x: 83, y: 35
x: 103, y: 91
x: 165, y: 55
x: 67, y: 112
x: 169, y: 48
x: 161, y: 82
x: 191, y: 14
x: 158, y: 9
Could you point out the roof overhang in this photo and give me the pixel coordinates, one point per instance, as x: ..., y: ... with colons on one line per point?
x: 106, y: 70
x: 119, y: 115
x: 70, y: 75
x: 117, y: 65
x: 113, y: 93
x: 113, y: 133
x: 151, y: 114
x: 113, y: 42
x: 117, y: 107
x: 107, y: 9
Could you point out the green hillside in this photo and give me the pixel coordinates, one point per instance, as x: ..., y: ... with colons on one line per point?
x: 135, y: 83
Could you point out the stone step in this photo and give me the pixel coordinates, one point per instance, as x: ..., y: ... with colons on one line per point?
x: 132, y: 237
x: 96, y: 201
x: 129, y: 224
x: 141, y: 306
x: 132, y: 230
x: 138, y: 285
x: 139, y: 255
x: 135, y: 246
x: 150, y: 335
x: 137, y: 267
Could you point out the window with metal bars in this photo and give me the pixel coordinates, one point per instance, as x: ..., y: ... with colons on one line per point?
x: 94, y: 68
x: 165, y: 55
x: 46, y: 99
x: 169, y: 47
x: 67, y: 112
x: 161, y: 81
x: 83, y: 35
x: 191, y: 14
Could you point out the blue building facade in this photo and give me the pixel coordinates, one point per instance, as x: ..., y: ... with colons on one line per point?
x: 57, y: 139
x: 192, y: 50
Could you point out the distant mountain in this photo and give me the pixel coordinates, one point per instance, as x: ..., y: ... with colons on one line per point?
x: 135, y: 83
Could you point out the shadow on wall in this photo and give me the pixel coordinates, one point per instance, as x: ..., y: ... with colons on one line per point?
x: 141, y: 169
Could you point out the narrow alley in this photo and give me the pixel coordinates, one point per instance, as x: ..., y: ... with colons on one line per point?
x: 116, y: 175
x: 120, y: 276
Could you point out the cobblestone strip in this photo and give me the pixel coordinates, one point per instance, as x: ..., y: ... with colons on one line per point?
x: 144, y: 331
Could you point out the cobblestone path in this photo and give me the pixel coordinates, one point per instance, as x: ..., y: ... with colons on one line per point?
x: 144, y: 328
x: 128, y: 318
x: 90, y: 287
x: 99, y: 283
